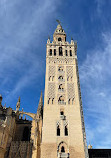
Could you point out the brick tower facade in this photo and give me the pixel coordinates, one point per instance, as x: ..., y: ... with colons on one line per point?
x: 63, y: 133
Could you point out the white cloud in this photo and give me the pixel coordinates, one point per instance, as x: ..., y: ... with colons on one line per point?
x: 95, y: 76
x: 100, y: 4
x: 23, y: 24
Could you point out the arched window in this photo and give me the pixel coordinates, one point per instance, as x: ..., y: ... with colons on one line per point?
x: 66, y: 131
x: 60, y: 78
x: 52, y: 78
x: 67, y: 78
x: 49, y: 101
x: 60, y: 51
x: 58, y: 130
x: 59, y: 39
x: 54, y: 52
x: 69, y: 101
x: 61, y: 87
x: 71, y: 78
x: 49, y: 78
x: 61, y: 98
x: 73, y: 101
x: 60, y: 69
x: 70, y: 52
x: 62, y: 149
x: 53, y: 101
x: 61, y: 113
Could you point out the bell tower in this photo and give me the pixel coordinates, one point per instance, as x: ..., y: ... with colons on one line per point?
x: 63, y: 132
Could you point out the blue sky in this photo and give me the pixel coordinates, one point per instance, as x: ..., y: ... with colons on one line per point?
x: 24, y: 28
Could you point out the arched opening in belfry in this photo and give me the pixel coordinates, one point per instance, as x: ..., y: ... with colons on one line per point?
x: 62, y: 149
x: 26, y: 134
x: 54, y: 52
x: 60, y: 51
x: 70, y: 52
x: 50, y: 52
x: 58, y: 130
x: 66, y: 53
x: 59, y: 39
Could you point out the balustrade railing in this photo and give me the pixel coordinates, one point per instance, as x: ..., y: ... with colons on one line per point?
x: 61, y: 80
x: 61, y: 90
x: 61, y: 103
x: 63, y: 155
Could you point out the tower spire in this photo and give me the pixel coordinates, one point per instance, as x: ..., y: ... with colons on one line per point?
x: 40, y: 106
x: 18, y: 104
x: 0, y: 100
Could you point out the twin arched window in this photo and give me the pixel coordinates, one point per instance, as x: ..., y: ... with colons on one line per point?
x: 50, y: 101
x: 51, y: 78
x: 65, y: 130
x: 71, y: 101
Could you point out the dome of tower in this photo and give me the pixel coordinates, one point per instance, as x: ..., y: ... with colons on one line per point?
x: 59, y: 30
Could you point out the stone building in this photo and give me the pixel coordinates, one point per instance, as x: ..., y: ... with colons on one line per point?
x: 58, y: 130
x: 19, y: 137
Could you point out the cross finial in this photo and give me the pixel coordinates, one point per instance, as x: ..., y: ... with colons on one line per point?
x: 58, y: 21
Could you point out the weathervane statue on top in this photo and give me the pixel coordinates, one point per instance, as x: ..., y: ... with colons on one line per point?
x: 58, y: 21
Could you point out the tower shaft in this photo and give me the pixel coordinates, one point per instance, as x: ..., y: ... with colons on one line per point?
x: 63, y: 133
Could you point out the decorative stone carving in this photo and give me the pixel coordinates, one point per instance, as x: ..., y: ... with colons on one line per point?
x: 51, y: 90
x: 70, y: 89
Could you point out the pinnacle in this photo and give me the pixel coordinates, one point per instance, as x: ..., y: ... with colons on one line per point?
x: 19, y: 99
